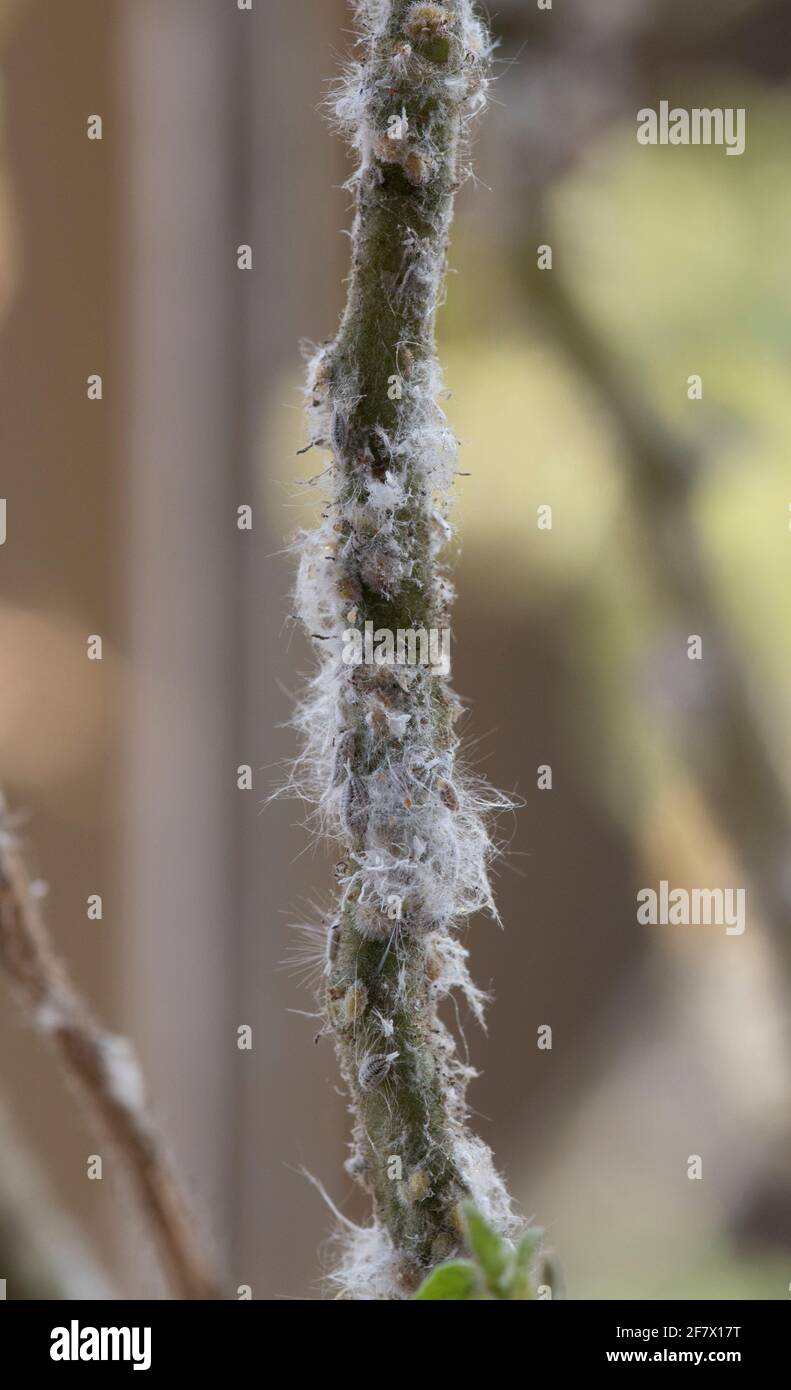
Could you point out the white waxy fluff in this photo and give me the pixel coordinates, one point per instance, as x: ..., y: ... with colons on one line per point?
x: 413, y: 822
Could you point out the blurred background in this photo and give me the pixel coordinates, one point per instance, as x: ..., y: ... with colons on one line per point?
x: 569, y: 389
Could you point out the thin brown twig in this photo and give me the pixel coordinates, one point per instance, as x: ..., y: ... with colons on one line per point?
x: 102, y: 1068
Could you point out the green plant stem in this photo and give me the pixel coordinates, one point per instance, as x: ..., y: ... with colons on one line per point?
x: 403, y: 213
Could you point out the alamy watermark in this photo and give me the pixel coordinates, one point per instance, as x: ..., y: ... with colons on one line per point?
x: 405, y: 647
x: 76, y: 1343
x: 701, y: 126
x: 670, y: 907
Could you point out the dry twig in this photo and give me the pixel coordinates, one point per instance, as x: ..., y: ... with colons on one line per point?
x: 103, y: 1070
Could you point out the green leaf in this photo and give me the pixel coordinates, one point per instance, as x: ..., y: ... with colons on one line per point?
x: 527, y: 1249
x: 520, y: 1287
x: 489, y: 1249
x: 520, y: 1282
x: 456, y: 1281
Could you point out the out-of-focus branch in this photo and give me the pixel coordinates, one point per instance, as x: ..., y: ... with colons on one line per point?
x: 729, y: 746
x: 103, y: 1070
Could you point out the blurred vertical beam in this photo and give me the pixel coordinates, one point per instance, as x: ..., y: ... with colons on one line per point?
x: 58, y: 577
x: 178, y: 83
